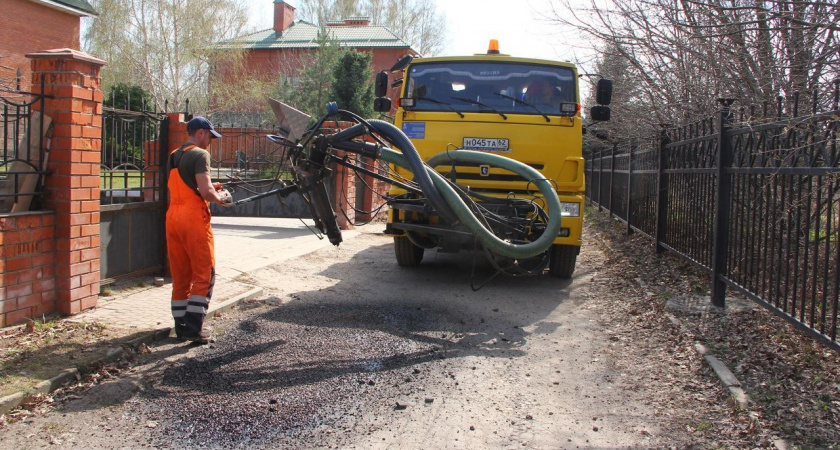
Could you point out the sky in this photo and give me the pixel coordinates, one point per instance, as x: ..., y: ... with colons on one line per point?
x: 520, y: 26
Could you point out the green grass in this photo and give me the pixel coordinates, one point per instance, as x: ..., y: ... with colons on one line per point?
x: 704, y: 426
x: 122, y: 179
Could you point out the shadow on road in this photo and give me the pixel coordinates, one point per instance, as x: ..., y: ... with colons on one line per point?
x: 369, y: 329
x: 379, y: 317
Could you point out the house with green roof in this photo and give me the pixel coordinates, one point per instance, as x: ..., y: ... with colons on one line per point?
x: 283, y: 49
x: 31, y: 26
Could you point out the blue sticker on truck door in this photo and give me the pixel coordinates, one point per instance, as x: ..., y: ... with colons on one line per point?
x: 414, y: 130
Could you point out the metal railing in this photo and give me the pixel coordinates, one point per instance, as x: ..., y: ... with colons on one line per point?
x: 753, y: 202
x: 130, y: 169
x: 246, y: 153
x: 24, y: 150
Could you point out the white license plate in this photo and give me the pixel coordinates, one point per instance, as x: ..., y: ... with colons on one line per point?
x: 488, y: 144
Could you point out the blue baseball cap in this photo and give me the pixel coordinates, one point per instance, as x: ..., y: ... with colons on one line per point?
x: 199, y: 123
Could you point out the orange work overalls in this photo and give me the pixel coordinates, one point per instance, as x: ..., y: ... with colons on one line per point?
x: 189, y: 241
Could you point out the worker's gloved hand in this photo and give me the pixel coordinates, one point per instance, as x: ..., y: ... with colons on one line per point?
x: 227, y: 198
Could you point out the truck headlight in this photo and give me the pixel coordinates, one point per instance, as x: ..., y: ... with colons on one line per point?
x: 569, y: 209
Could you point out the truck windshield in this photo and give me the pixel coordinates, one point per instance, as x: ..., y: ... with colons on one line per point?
x: 515, y: 88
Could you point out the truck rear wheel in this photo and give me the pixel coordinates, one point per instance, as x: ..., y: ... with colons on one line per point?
x: 407, y: 253
x: 563, y: 259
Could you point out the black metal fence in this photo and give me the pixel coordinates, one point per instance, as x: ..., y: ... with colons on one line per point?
x: 754, y: 202
x: 24, y: 146
x: 131, y: 147
x: 251, y: 164
x: 247, y: 154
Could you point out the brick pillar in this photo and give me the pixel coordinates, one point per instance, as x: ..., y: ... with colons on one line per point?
x: 177, y: 130
x: 345, y: 194
x: 367, y: 196
x: 72, y: 79
x: 177, y: 135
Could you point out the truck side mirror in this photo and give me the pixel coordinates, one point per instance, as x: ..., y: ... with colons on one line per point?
x: 600, y: 113
x: 382, y: 104
x: 402, y: 63
x: 603, y: 94
x: 380, y: 87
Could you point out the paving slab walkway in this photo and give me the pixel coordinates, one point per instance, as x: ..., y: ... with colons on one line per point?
x: 243, y: 245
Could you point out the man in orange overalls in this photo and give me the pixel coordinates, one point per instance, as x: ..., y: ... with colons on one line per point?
x: 189, y: 237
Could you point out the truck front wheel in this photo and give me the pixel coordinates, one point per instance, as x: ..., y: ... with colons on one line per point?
x: 563, y: 259
x: 407, y: 253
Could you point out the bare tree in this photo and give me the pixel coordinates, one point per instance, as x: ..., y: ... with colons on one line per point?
x: 418, y: 22
x: 630, y: 106
x: 687, y: 53
x: 320, y: 12
x: 166, y: 46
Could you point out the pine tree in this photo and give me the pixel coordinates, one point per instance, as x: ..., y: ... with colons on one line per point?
x: 352, y: 87
x: 316, y: 80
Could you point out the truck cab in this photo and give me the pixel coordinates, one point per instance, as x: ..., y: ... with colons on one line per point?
x: 524, y: 109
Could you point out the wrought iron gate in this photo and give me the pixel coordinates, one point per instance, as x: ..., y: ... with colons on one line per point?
x: 133, y: 204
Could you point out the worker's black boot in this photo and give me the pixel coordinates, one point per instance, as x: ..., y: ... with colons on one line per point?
x: 179, y: 327
x: 179, y: 309
x: 194, y: 320
x: 193, y: 323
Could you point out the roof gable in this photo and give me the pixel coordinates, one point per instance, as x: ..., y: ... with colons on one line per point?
x: 77, y: 7
x: 302, y: 34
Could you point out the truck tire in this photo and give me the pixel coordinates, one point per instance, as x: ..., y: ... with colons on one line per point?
x: 408, y: 254
x: 563, y: 259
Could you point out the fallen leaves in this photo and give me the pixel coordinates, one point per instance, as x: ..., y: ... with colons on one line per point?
x: 793, y: 381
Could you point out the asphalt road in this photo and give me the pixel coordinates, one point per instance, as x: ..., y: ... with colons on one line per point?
x: 346, y: 349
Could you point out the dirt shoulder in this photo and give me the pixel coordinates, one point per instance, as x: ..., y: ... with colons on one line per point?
x: 793, y: 382
x: 42, y: 348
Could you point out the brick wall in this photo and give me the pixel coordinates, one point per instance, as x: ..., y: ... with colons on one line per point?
x: 345, y: 194
x: 27, y: 252
x: 268, y: 65
x: 27, y: 27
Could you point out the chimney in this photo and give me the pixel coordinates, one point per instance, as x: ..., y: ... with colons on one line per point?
x: 350, y: 22
x: 284, y: 15
x: 357, y: 22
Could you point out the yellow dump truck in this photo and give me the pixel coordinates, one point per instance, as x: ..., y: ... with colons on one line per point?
x: 524, y: 109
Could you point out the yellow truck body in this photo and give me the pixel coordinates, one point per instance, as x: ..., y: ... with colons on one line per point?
x: 483, y: 103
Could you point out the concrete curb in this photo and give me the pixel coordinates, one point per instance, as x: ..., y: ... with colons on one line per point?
x: 11, y: 402
x: 230, y: 303
x: 729, y: 380
x: 45, y: 387
x: 725, y: 376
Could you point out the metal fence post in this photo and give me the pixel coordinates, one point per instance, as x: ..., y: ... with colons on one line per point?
x: 163, y: 192
x: 633, y: 145
x: 662, y: 191
x: 587, y: 169
x: 612, y: 175
x: 723, y: 198
x: 600, y: 176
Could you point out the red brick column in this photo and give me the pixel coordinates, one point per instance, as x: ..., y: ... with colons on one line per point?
x: 177, y: 130
x: 367, y: 196
x: 345, y: 193
x: 177, y: 133
x: 72, y: 188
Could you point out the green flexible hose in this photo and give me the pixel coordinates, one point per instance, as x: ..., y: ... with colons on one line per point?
x: 460, y: 208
